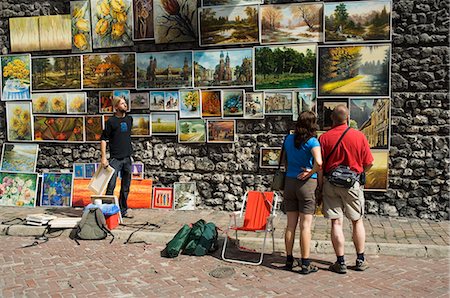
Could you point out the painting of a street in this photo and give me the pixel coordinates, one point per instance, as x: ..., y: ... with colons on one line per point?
x: 377, y: 176
x: 221, y: 131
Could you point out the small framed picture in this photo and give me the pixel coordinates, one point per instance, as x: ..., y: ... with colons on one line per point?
x: 278, y: 103
x: 105, y: 99
x: 137, y: 171
x: 89, y: 170
x: 253, y: 105
x: 162, y: 198
x: 78, y: 171
x: 163, y: 123
x: 56, y: 189
x: 211, y: 103
x: 76, y: 103
x: 185, y: 194
x: 190, y: 104
x: 233, y: 103
x: 269, y: 157
x: 157, y: 100
x: 171, y: 101
x: 221, y: 131
x: 140, y: 101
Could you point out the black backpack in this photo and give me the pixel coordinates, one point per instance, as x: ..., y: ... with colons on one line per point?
x: 92, y: 226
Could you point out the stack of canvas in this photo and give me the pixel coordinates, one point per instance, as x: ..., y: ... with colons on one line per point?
x: 39, y: 219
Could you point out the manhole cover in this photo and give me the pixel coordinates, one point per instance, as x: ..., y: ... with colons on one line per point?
x: 222, y: 272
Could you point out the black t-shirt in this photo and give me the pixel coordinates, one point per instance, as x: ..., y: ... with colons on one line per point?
x: 118, y: 132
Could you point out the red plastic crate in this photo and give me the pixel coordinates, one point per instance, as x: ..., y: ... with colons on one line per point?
x: 112, y: 221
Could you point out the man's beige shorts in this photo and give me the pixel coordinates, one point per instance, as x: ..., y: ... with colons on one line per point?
x: 338, y: 201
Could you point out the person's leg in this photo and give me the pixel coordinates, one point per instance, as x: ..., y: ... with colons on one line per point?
x: 125, y: 185
x: 289, y: 236
x: 115, y: 164
x: 305, y: 234
x: 337, y: 236
x: 359, y: 235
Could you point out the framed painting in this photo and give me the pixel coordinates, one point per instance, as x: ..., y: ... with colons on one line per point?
x: 371, y: 117
x: 164, y: 123
x: 192, y: 131
x: 221, y: 131
x: 105, y: 101
x: 80, y: 12
x: 190, y: 104
x: 285, y: 67
x: 162, y: 198
x: 143, y: 20
x: 18, y: 121
x: 325, y: 107
x: 90, y: 169
x: 24, y: 34
x: 57, y: 103
x: 164, y: 70
x: 377, y: 176
x: 105, y: 118
x: 19, y: 157
x: 278, y: 103
x: 253, y: 105
x: 18, y: 189
x: 269, y: 157
x: 211, y: 103
x: 76, y: 103
x: 175, y: 21
x: 223, y: 68
x: 100, y: 180
x: 16, y: 77
x: 109, y: 71
x: 112, y: 23
x: 157, y: 100
x: 56, y: 73
x: 230, y: 2
x: 94, y: 128
x: 185, y: 195
x: 362, y: 21
x: 303, y: 101
x: 56, y: 189
x: 362, y: 71
x: 171, y: 101
x: 140, y: 101
x: 55, y: 32
x: 228, y: 25
x: 59, y: 129
x: 291, y: 23
x: 233, y: 103
x: 78, y: 171
x: 137, y: 171
x: 141, y: 125
x: 122, y: 94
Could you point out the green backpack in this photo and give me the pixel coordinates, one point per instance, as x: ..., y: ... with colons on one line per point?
x: 177, y: 243
x: 202, y: 239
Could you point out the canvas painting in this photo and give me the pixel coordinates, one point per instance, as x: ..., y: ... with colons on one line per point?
x: 162, y: 198
x: 278, y: 103
x: 90, y: 169
x: 80, y: 12
x: 78, y: 171
x: 228, y: 25
x: 211, y: 103
x: 122, y: 94
x: 233, y: 103
x: 164, y: 123
x: 164, y: 70
x: 253, y: 105
x: 325, y: 108
x: 59, y: 128
x: 358, y: 21
x: 157, y: 100
x: 93, y: 128
x: 105, y: 101
x: 230, y: 2
x: 24, y: 34
x: 56, y: 189
x: 190, y: 104
x: 109, y: 71
x: 221, y: 131
x: 140, y: 101
x: 18, y: 189
x: 175, y: 21
x: 141, y: 125
x: 143, y: 20
x: 137, y: 171
x: 57, y: 103
x: 56, y: 73
x: 185, y: 195
x: 55, y: 32
x: 354, y: 70
x: 171, y: 101
x: 18, y: 121
x: 100, y: 180
x: 76, y: 103
x: 377, y: 176
x: 15, y: 77
x: 112, y: 23
x: 303, y: 101
x: 19, y: 157
x: 223, y: 68
x: 285, y: 67
x: 292, y: 23
x: 371, y: 117
x: 269, y: 157
x: 192, y: 131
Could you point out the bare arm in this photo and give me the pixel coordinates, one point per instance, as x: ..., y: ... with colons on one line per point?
x: 105, y: 162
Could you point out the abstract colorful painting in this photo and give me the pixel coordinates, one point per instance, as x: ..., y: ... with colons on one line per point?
x: 76, y: 103
x: 18, y: 121
x: 269, y: 157
x: 192, y: 131
x: 377, y: 176
x: 19, y: 157
x: 325, y: 107
x: 56, y: 73
x: 190, y: 104
x: 162, y: 198
x: 80, y: 12
x: 78, y: 171
x: 90, y: 169
x: 140, y: 101
x: 24, y: 34
x: 211, y: 103
x: 18, y: 189
x: 157, y: 100
x: 59, y: 128
x: 55, y: 32
x: 15, y: 77
x: 56, y: 189
x: 141, y: 125
x: 171, y: 101
x: 253, y: 105
x: 221, y: 131
x: 185, y: 195
x: 278, y: 103
x: 233, y: 103
x: 164, y: 123
x: 105, y: 101
x: 93, y: 128
x: 143, y: 20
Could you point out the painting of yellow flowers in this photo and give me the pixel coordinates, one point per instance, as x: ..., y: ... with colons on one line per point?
x: 24, y: 34
x: 54, y: 32
x: 59, y: 128
x: 18, y: 124
x: 56, y: 73
x: 40, y: 103
x: 80, y: 12
x: 58, y: 103
x: 76, y: 103
x: 112, y: 23
x: 16, y: 77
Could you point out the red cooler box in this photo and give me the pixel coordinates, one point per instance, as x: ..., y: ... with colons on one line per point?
x: 112, y: 221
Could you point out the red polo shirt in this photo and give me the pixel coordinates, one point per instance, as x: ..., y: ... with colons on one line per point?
x: 353, y: 151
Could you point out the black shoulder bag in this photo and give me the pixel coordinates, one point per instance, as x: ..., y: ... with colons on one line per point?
x: 279, y: 176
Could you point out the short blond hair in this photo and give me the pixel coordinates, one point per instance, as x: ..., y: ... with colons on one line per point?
x: 116, y: 101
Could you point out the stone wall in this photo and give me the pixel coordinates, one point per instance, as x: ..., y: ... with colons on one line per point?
x: 419, y: 155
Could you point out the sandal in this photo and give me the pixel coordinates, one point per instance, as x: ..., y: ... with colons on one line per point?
x: 308, y: 269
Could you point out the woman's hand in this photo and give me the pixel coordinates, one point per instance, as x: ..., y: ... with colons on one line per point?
x: 305, y: 174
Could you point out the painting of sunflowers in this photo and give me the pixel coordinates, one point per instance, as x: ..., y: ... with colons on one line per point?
x: 16, y: 76
x: 19, y: 126
x: 76, y: 103
x: 59, y: 129
x: 56, y: 73
x: 80, y: 12
x: 49, y: 103
x: 93, y: 128
x: 112, y: 23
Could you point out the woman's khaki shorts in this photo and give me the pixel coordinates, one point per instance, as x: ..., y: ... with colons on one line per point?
x: 338, y: 201
x: 299, y: 195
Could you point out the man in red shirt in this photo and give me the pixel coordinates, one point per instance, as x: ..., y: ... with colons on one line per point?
x: 353, y: 151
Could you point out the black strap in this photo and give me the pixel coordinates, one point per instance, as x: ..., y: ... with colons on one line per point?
x: 282, y: 153
x: 335, y: 146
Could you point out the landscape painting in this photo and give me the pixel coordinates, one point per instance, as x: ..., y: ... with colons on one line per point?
x: 185, y: 194
x: 59, y: 129
x: 192, y: 131
x: 229, y: 25
x: 253, y: 105
x: 19, y: 157
x: 233, y: 103
x: 109, y: 71
x: 55, y: 32
x: 141, y: 125
x: 190, y: 104
x: 359, y: 21
x: 143, y: 20
x: 157, y: 100
x: 377, y: 176
x: 94, y: 128
x: 223, y: 68
x: 18, y: 121
x: 325, y: 107
x: 211, y: 103
x: 278, y: 103
x: 15, y: 77
x: 105, y: 101
x: 56, y: 73
x: 171, y: 101
x: 164, y: 123
x: 140, y: 101
x: 371, y: 117
x: 292, y: 23
x: 162, y: 198
x: 56, y: 189
x: 18, y: 189
x: 24, y: 34
x: 164, y: 70
x: 80, y: 12
x: 354, y: 70
x: 221, y: 131
x: 76, y: 103
x: 285, y: 67
x: 269, y: 157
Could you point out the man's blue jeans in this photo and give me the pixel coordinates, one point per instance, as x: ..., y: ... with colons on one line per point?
x: 123, y: 166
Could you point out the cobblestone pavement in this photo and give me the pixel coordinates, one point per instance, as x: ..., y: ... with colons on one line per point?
x: 61, y: 268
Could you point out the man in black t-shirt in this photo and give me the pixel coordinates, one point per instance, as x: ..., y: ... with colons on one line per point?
x: 118, y: 132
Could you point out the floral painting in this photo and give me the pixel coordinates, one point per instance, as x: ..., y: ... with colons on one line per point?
x: 76, y: 103
x: 157, y: 100
x: 175, y: 21
x: 278, y: 103
x: 164, y: 123
x: 211, y: 103
x: 269, y: 157
x: 16, y: 77
x: 141, y: 125
x: 19, y: 157
x: 190, y: 104
x: 105, y: 101
x: 162, y: 198
x: 58, y: 103
x: 185, y: 195
x: 24, y: 34
x: 59, y: 128
x: 56, y: 73
x: 143, y: 20
x: 56, y: 189
x: 111, y: 23
x: 233, y: 103
x: 221, y: 131
x: 18, y: 121
x: 80, y: 12
x: 18, y: 189
x: 253, y: 105
x: 171, y: 101
x: 90, y: 169
x: 93, y: 128
x: 140, y: 101
x: 192, y: 131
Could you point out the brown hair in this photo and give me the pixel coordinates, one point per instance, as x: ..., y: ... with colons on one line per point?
x: 305, y: 128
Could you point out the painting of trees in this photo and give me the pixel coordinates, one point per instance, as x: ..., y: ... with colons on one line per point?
x: 56, y: 73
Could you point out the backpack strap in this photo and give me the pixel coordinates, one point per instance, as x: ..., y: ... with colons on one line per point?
x: 335, y: 146
x: 102, y: 226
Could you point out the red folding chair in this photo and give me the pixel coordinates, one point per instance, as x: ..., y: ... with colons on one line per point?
x: 260, y: 210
